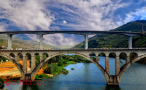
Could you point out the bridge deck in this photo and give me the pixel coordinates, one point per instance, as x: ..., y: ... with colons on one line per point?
x: 70, y: 32
x: 75, y: 49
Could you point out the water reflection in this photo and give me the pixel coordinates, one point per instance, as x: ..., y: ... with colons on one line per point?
x: 30, y: 87
x: 112, y: 87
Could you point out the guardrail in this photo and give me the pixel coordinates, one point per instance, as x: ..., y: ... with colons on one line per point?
x: 80, y: 49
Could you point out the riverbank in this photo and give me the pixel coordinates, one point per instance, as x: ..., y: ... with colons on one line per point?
x: 9, y: 70
x: 58, y: 70
x: 53, y: 67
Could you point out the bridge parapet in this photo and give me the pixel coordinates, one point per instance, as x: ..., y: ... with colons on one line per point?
x: 79, y: 49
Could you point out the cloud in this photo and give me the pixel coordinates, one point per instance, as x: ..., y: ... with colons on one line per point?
x: 64, y: 22
x: 139, y: 14
x: 89, y: 15
x: 49, y: 14
x: 2, y: 28
x: 28, y: 14
x: 32, y: 15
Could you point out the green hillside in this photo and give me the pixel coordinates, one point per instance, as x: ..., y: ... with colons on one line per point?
x: 118, y: 41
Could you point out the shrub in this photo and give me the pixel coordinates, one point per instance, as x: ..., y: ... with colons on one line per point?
x: 53, y: 60
x: 41, y: 76
x: 1, y: 84
x: 64, y: 62
x: 37, y: 63
x: 50, y: 68
x: 60, y: 63
x: 2, y: 80
x: 64, y: 71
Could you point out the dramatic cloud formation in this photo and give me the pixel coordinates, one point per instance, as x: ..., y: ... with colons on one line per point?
x: 67, y: 15
x: 32, y: 15
x: 139, y: 14
x: 89, y: 15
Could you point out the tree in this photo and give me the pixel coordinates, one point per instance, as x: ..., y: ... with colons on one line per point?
x: 60, y: 62
x: 37, y: 57
x: 53, y: 60
x: 45, y: 56
x: 51, y: 68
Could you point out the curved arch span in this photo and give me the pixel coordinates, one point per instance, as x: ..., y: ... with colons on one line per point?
x: 123, y: 69
x: 16, y: 64
x: 34, y: 72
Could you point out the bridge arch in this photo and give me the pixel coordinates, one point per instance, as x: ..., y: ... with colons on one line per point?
x: 14, y: 61
x: 123, y: 56
x: 133, y: 55
x: 20, y: 55
x: 12, y: 55
x: 28, y: 55
x: 128, y: 64
x: 106, y: 75
x: 112, y: 54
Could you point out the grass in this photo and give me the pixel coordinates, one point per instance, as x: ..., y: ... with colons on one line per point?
x: 71, y: 62
x: 41, y: 76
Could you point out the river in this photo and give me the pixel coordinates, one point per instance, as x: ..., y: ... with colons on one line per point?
x: 87, y: 76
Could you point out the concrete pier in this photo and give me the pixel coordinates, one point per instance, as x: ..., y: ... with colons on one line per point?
x: 86, y: 41
x: 107, y: 65
x: 130, y: 42
x: 41, y: 41
x: 25, y: 64
x: 32, y: 62
x: 9, y: 41
x: 117, y: 65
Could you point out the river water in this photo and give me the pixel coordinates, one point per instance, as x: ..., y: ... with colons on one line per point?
x: 87, y: 76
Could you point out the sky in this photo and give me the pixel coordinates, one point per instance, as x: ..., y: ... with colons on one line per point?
x: 83, y: 15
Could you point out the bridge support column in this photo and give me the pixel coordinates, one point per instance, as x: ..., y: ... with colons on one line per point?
x: 32, y: 63
x: 17, y: 58
x: 107, y: 64
x: 41, y: 58
x: 97, y: 59
x: 25, y: 64
x: 128, y: 59
x: 113, y: 80
x: 117, y: 65
x: 86, y: 41
x: 130, y: 42
x: 9, y: 41
x: 41, y: 41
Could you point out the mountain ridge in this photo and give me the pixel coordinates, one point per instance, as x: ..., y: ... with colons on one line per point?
x: 118, y: 41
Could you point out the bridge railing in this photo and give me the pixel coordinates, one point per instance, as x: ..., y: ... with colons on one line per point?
x: 78, y: 49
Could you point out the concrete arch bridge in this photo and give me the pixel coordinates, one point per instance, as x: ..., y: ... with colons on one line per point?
x: 14, y: 56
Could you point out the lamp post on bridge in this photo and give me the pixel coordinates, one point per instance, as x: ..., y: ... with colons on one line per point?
x: 86, y: 41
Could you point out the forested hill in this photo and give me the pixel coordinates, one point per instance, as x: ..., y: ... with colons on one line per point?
x: 118, y: 41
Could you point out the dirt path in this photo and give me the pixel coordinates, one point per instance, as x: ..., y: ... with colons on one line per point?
x: 9, y: 69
